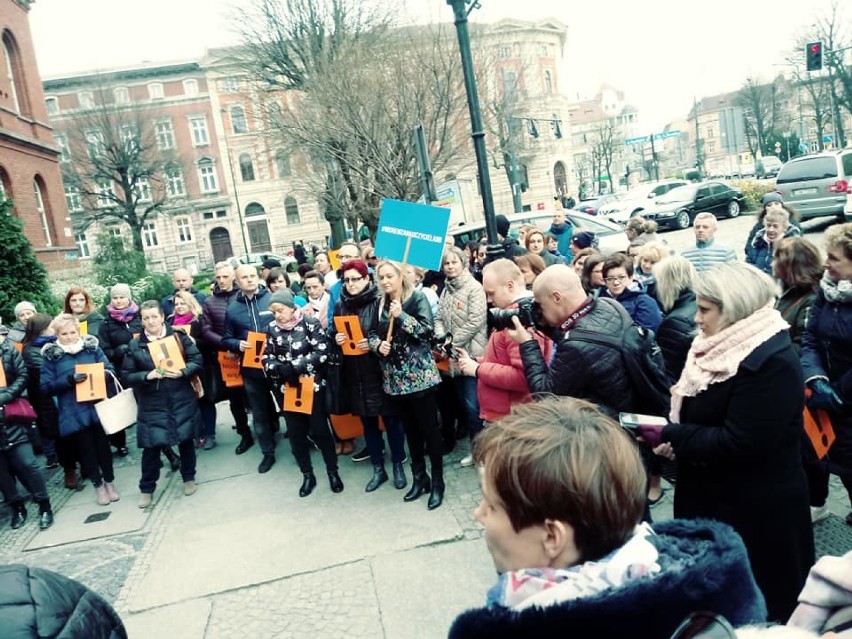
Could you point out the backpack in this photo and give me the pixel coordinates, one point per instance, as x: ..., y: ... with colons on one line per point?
x: 642, y: 359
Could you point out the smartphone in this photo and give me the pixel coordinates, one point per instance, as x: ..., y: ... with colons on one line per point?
x: 632, y: 421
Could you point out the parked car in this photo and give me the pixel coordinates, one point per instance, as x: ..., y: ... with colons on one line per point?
x: 767, y: 167
x: 678, y: 207
x: 592, y: 205
x: 609, y: 237
x: 818, y: 185
x: 288, y: 262
x: 637, y: 199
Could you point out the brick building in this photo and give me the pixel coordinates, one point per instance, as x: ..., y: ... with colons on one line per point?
x: 29, y: 167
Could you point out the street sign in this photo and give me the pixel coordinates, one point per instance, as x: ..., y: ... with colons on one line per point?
x: 666, y: 134
x: 644, y: 139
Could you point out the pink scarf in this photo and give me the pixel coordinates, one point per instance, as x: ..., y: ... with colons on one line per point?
x: 295, y: 318
x: 183, y: 320
x: 714, y: 359
x: 124, y: 315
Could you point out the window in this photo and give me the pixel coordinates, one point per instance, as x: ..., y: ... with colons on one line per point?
x: 13, y: 70
x: 72, y: 198
x: 711, y: 146
x: 62, y: 143
x: 52, y: 105
x: 105, y: 193
x: 207, y: 174
x: 115, y: 231
x: 121, y: 95
x: 87, y: 100
x: 548, y: 82
x: 165, y: 135
x: 246, y: 167
x: 149, y: 235
x: 238, y: 120
x: 709, y: 133
x: 510, y: 85
x: 95, y: 144
x: 198, y: 127
x: 82, y: 244
x: 221, y: 213
x: 274, y: 112
x: 282, y: 163
x: 291, y: 209
x: 129, y: 138
x: 155, y: 91
x: 184, y: 230
x: 42, y: 213
x: 174, y: 182
x: 505, y: 52
x: 190, y: 88
x: 232, y: 85
x: 143, y: 189
x: 208, y: 215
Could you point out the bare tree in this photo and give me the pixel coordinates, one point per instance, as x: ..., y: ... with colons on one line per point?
x: 761, y: 113
x: 605, y: 142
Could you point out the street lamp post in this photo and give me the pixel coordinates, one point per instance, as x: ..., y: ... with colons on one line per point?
x: 234, y: 187
x: 460, y: 11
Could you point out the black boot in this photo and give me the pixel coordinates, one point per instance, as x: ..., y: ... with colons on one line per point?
x: 419, y: 484
x: 379, y: 478
x: 335, y: 482
x: 246, y: 442
x: 399, y: 480
x: 174, y: 460
x: 19, y: 515
x: 309, y: 482
x: 436, y: 497
x: 45, y: 515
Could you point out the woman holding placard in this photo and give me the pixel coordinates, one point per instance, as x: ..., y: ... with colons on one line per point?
x: 61, y: 377
x: 158, y: 366
x: 402, y: 337
x: 294, y: 359
x: 362, y: 375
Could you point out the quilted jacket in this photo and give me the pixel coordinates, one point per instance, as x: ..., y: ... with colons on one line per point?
x: 463, y: 312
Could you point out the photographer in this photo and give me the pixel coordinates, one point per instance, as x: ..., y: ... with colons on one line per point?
x: 500, y: 371
x: 579, y: 368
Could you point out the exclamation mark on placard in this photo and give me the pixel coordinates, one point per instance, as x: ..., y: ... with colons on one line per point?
x: 169, y: 362
x: 298, y: 402
x: 258, y: 345
x: 348, y: 328
x: 91, y: 385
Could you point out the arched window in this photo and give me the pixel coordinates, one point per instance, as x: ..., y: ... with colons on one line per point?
x: 5, y: 184
x: 15, y: 74
x: 246, y: 167
x: 548, y: 82
x: 253, y: 208
x: 282, y: 163
x: 560, y: 179
x: 291, y: 210
x: 207, y: 176
x: 43, y: 208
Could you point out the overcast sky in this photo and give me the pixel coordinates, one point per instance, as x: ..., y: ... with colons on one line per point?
x: 660, y: 52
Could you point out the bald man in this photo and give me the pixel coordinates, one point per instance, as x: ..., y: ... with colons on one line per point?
x: 182, y: 281
x: 579, y: 368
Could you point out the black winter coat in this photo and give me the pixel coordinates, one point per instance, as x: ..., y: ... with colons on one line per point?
x: 213, y: 318
x: 362, y: 374
x: 579, y: 368
x: 795, y: 307
x: 94, y: 321
x: 168, y: 408
x: 739, y: 461
x: 676, y: 332
x: 299, y: 352
x: 115, y: 336
x: 48, y: 417
x: 40, y: 603
x: 12, y: 434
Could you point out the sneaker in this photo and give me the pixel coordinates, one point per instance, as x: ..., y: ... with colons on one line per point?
x: 122, y: 451
x: 52, y: 462
x: 111, y: 492
x: 210, y: 443
x: 466, y: 462
x: 101, y: 495
x: 189, y: 488
x: 145, y: 500
x: 362, y: 455
x: 818, y: 513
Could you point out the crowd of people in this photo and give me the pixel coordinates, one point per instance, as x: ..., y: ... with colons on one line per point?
x: 429, y: 358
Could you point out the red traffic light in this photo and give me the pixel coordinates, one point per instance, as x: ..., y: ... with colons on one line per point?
x: 813, y: 56
x: 815, y: 47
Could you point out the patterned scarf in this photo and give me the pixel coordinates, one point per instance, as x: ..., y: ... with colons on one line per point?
x: 125, y: 314
x: 714, y: 359
x: 291, y: 323
x: 839, y: 292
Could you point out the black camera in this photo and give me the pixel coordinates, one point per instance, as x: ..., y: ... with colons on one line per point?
x: 445, y: 347
x: 528, y: 312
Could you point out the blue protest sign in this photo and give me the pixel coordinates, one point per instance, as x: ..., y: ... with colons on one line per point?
x: 426, y: 227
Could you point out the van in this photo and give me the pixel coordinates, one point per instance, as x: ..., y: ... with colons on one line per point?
x: 818, y: 185
x: 767, y: 167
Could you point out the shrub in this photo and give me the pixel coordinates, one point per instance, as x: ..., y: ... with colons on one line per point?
x: 752, y: 192
x: 114, y: 263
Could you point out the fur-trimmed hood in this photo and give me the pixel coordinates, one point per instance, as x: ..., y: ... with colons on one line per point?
x: 53, y: 351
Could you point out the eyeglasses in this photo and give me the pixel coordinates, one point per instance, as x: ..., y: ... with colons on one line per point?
x: 344, y: 258
x: 704, y: 625
x: 616, y: 278
x: 349, y: 280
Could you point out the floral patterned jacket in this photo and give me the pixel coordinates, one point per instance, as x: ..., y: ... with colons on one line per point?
x: 410, y: 367
x: 295, y: 353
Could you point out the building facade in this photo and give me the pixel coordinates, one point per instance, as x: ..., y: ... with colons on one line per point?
x: 29, y: 166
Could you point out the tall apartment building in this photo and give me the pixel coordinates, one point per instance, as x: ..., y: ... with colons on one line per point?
x: 29, y: 167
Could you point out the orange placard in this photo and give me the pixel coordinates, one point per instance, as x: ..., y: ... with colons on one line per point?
x: 818, y: 428
x: 350, y: 426
x: 94, y: 386
x: 300, y: 399
x: 253, y: 355
x: 167, y: 354
x: 229, y: 364
x: 2, y: 376
x: 350, y: 326
x: 84, y: 327
x: 333, y: 259
x: 183, y: 327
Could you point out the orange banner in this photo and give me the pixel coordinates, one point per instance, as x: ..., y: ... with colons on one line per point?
x: 229, y: 364
x: 300, y: 399
x: 819, y: 429
x: 333, y: 259
x: 253, y: 355
x: 167, y: 354
x: 94, y: 386
x: 350, y: 326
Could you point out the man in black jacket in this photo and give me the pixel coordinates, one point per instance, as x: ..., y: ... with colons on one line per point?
x: 579, y: 368
x: 182, y: 280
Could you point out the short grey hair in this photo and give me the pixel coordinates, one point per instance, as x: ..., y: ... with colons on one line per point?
x: 674, y: 275
x: 778, y: 215
x: 737, y: 289
x: 220, y: 265
x: 707, y: 216
x: 453, y: 250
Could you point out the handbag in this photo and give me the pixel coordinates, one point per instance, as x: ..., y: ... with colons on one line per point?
x: 119, y: 411
x: 336, y: 399
x: 18, y: 411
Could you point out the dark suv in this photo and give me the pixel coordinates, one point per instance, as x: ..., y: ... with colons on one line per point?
x: 818, y: 185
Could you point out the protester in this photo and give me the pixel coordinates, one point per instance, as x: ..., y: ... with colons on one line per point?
x: 536, y: 244
x: 592, y: 276
x: 531, y: 266
x: 580, y: 256
x: 798, y: 267
x: 79, y: 303
x: 707, y: 252
x: 675, y: 292
x: 776, y: 226
x: 825, y: 604
x: 562, y: 230
x: 581, y: 241
x: 649, y: 254
x: 318, y: 298
x: 23, y: 311
x: 182, y: 280
x: 772, y: 201
x: 511, y: 247
x: 322, y: 263
x: 620, y: 286
x: 638, y: 228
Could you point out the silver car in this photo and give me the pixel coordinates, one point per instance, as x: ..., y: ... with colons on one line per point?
x: 818, y: 185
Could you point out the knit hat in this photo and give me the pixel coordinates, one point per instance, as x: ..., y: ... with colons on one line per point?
x: 583, y: 239
x: 502, y: 223
x: 271, y: 263
x: 20, y: 307
x: 282, y: 296
x: 772, y: 196
x: 122, y: 290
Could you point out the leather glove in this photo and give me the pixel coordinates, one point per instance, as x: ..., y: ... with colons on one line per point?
x: 284, y: 371
x: 824, y: 396
x: 76, y: 378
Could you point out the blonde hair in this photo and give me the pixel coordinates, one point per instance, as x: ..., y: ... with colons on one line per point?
x: 407, y: 285
x: 653, y: 251
x: 737, y: 289
x: 189, y: 299
x: 840, y: 235
x: 64, y: 319
x: 674, y: 275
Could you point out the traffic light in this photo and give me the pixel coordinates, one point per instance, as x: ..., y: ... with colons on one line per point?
x: 813, y: 56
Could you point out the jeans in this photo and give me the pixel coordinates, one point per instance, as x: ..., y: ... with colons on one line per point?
x: 95, y: 454
x: 237, y: 403
x: 420, y: 419
x: 20, y: 461
x: 300, y: 424
x: 263, y: 412
x: 373, y: 439
x: 466, y: 390
x: 151, y: 465
x: 208, y: 419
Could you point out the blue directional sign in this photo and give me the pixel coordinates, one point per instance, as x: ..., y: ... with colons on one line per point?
x: 644, y: 139
x: 424, y: 226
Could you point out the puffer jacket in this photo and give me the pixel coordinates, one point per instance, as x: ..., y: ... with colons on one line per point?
x: 463, y: 312
x: 641, y: 307
x: 213, y: 318
x: 246, y: 314
x: 41, y: 603
x: 760, y: 253
x: 579, y: 368
x: 115, y: 336
x: 362, y: 374
x: 409, y: 367
x: 301, y: 351
x: 676, y: 332
x: 58, y: 366
x: 47, y: 418
x: 12, y: 434
x: 168, y: 408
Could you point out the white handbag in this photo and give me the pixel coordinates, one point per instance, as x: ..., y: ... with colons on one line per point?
x: 118, y: 412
